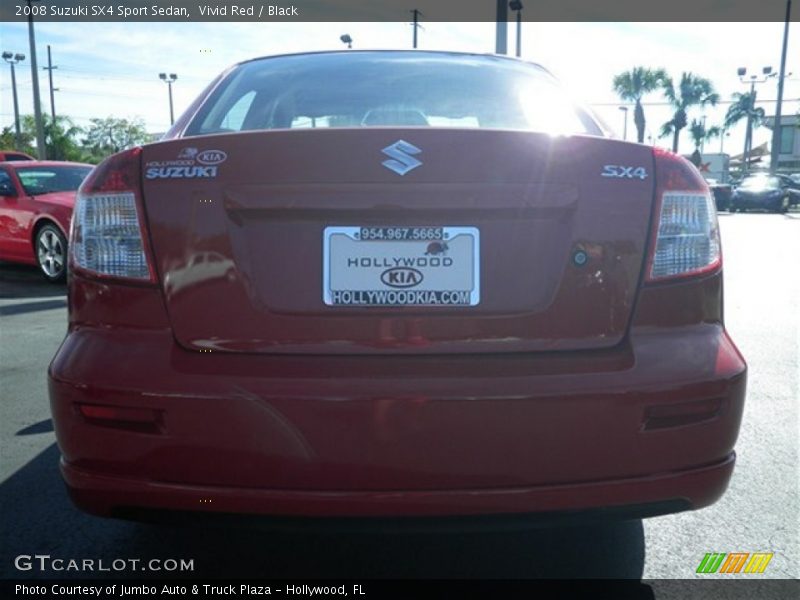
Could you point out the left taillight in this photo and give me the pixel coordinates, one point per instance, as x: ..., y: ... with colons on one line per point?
x: 107, y: 238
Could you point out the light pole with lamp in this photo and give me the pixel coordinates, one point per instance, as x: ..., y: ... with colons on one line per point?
x: 169, y: 80
x: 12, y: 59
x: 766, y: 73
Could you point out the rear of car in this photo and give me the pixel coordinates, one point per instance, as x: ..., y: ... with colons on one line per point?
x: 722, y: 193
x: 395, y: 284
x: 792, y: 185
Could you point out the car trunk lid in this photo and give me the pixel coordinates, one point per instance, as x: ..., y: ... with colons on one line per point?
x: 240, y: 224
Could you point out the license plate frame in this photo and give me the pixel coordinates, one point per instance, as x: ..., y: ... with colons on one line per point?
x: 407, y: 252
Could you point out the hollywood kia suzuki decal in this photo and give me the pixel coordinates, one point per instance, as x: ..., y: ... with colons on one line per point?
x: 190, y: 163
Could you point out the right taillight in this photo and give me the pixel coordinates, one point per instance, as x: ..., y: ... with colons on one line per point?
x: 685, y: 239
x: 107, y: 237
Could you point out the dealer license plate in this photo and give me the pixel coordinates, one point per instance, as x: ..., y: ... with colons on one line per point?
x: 401, y: 266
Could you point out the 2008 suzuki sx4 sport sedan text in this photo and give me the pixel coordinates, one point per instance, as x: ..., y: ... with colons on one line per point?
x: 395, y: 284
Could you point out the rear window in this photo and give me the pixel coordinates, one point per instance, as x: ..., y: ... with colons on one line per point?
x: 44, y: 180
x: 386, y: 89
x: 761, y: 181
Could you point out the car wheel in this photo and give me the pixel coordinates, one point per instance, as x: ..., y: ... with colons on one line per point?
x: 51, y: 252
x: 783, y: 205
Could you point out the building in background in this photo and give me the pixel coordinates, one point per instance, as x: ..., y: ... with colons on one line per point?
x: 757, y: 159
x: 789, y: 152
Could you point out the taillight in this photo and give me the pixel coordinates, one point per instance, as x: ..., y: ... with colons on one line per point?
x: 685, y: 239
x: 107, y: 237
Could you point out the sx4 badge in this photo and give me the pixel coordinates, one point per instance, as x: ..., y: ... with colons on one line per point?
x: 191, y: 163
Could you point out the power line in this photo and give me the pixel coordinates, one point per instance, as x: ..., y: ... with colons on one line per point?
x: 108, y: 75
x: 668, y: 104
x: 67, y: 90
x: 88, y: 119
x: 27, y: 84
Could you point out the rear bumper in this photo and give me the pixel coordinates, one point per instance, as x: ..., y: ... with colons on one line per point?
x: 652, y: 423
x: 764, y: 203
x: 641, y: 497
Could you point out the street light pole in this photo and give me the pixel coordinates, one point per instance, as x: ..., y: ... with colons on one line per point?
x: 169, y: 81
x: 501, y: 34
x: 754, y: 79
x: 41, y: 150
x: 776, y: 130
x: 516, y: 5
x: 624, y: 109
x: 703, y: 141
x: 49, y: 68
x: 13, y: 59
x: 748, y: 140
x: 416, y: 26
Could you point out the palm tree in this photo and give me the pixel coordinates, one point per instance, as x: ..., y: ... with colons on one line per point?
x: 692, y: 90
x: 633, y: 85
x: 743, y: 107
x: 700, y: 135
x: 60, y: 136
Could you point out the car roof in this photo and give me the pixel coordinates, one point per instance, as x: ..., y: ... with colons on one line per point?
x: 399, y: 51
x: 43, y: 163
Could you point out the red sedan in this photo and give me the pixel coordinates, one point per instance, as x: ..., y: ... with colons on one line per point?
x: 395, y: 284
x: 36, y: 201
x: 13, y: 155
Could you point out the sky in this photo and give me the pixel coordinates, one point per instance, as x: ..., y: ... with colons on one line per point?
x: 111, y: 69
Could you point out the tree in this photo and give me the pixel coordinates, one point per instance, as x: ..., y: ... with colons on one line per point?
x: 60, y: 137
x: 110, y: 135
x: 633, y: 85
x: 743, y: 106
x: 692, y: 90
x: 8, y: 141
x: 700, y: 135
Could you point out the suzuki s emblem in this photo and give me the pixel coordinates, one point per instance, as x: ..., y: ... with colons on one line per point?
x: 402, y: 160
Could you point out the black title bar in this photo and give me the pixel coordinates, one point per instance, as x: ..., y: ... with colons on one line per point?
x: 395, y: 10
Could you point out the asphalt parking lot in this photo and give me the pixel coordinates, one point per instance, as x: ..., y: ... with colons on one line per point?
x: 759, y: 513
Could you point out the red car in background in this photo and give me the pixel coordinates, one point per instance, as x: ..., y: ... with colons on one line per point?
x: 395, y: 284
x: 13, y: 156
x: 36, y: 202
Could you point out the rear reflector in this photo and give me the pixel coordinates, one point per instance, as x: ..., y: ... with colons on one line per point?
x: 686, y: 237
x: 145, y: 420
x: 682, y: 413
x: 107, y: 235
